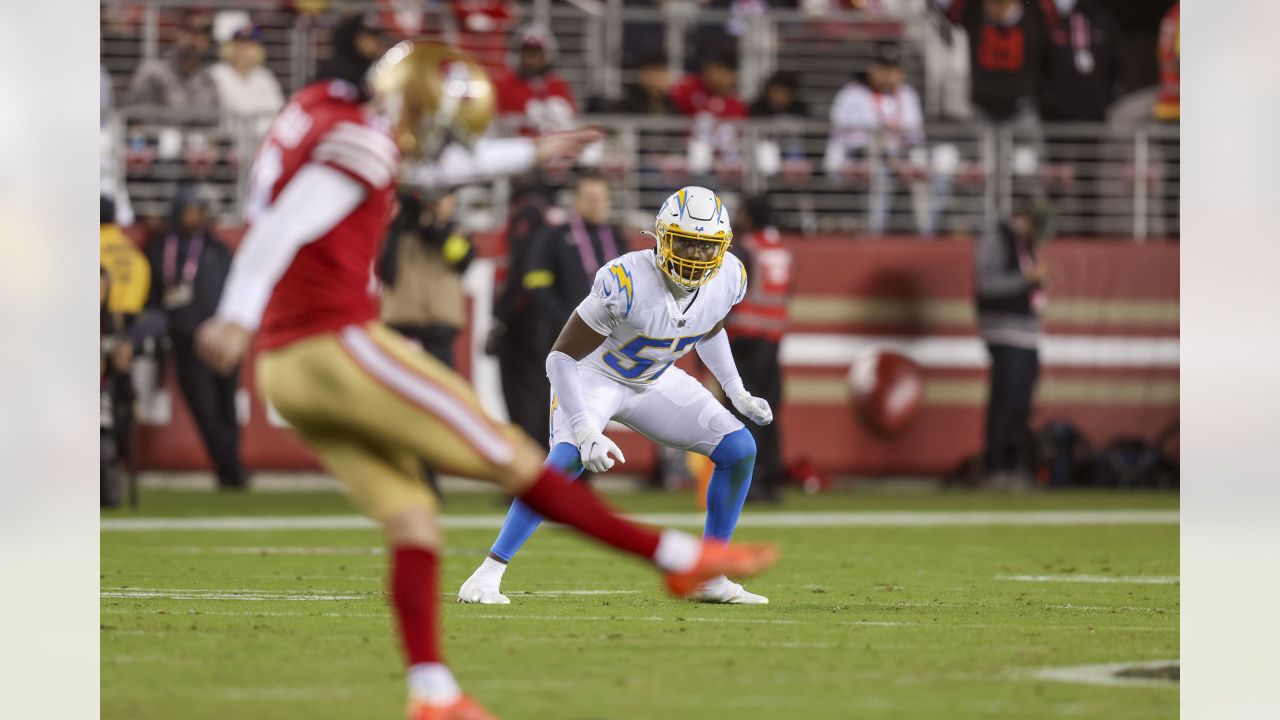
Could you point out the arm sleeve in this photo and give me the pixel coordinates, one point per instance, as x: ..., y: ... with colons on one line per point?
x: 489, y: 158
x: 610, y: 299
x: 993, y: 278
x: 716, y: 355
x: 562, y: 370
x: 315, y: 200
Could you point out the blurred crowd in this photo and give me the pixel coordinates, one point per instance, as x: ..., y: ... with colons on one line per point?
x: 1007, y: 65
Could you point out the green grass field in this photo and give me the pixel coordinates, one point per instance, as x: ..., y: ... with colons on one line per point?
x: 889, y: 621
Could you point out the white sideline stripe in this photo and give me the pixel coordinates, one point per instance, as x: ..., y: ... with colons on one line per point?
x: 558, y: 593
x: 276, y: 550
x: 1120, y: 579
x: 776, y: 520
x: 247, y: 595
x: 479, y: 432
x: 838, y: 350
x: 283, y: 694
x: 480, y: 615
x: 1104, y: 674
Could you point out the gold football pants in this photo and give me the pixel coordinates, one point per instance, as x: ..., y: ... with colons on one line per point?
x: 376, y: 406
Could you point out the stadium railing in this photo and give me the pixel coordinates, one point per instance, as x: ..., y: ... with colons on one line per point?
x: 1100, y: 180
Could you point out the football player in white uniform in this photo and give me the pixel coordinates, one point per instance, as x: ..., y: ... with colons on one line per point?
x: 613, y: 361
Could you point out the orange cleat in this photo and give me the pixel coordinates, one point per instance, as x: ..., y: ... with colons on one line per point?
x: 464, y: 708
x: 718, y: 558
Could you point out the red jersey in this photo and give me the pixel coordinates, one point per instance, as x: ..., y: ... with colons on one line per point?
x: 331, y: 281
x: 546, y: 101
x: 763, y: 312
x: 691, y: 96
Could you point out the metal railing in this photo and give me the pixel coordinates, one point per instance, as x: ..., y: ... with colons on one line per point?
x: 1099, y: 180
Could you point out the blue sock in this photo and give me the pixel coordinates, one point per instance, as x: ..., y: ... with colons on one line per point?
x: 521, y: 519
x: 735, y: 460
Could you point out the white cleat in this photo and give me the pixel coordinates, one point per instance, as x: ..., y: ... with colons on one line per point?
x: 725, y: 591
x: 483, y: 589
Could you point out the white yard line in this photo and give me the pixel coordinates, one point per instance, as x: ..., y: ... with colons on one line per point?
x: 251, y: 595
x: 248, y: 595
x: 559, y: 593
x: 765, y: 519
x: 283, y: 694
x: 275, y: 550
x: 1104, y: 674
x: 1118, y: 579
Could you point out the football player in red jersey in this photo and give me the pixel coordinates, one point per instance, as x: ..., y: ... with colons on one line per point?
x: 372, y: 404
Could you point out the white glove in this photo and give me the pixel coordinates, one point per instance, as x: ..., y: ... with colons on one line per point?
x: 756, y: 409
x: 596, y: 449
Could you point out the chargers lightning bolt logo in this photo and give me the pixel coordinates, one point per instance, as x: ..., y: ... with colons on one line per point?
x: 623, y: 276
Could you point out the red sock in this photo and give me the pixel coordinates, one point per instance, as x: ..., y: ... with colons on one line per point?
x: 414, y: 597
x: 572, y: 503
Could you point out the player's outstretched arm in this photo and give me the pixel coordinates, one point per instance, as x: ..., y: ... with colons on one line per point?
x: 499, y: 157
x: 716, y: 355
x: 577, y: 340
x: 316, y: 199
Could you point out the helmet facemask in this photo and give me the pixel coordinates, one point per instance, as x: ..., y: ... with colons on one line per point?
x: 690, y: 258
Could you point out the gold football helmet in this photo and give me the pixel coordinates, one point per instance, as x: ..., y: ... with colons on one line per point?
x: 432, y: 94
x: 693, y: 233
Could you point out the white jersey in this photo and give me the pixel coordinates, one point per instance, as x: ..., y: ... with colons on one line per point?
x: 645, y: 327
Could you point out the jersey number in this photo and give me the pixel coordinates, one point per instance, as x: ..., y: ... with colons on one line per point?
x: 630, y: 364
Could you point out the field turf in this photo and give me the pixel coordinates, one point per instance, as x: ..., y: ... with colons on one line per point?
x: 865, y: 621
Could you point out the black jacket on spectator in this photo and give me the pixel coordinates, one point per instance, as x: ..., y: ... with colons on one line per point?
x: 211, y: 270
x: 1085, y: 65
x: 1002, y: 289
x: 514, y: 339
x: 200, y: 262
x: 1006, y: 64
x: 557, y: 276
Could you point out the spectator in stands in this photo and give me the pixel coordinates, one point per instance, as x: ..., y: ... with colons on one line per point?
x: 1007, y: 44
x: 1084, y: 63
x: 246, y: 88
x: 189, y: 265
x: 421, y: 269
x: 358, y: 40
x: 877, y: 132
x: 1169, y: 53
x: 1168, y: 109
x: 711, y: 98
x: 1083, y: 81
x: 713, y: 90
x: 1012, y: 284
x: 180, y: 80
x: 649, y: 96
x: 531, y: 91
x: 780, y: 97
x: 755, y: 329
